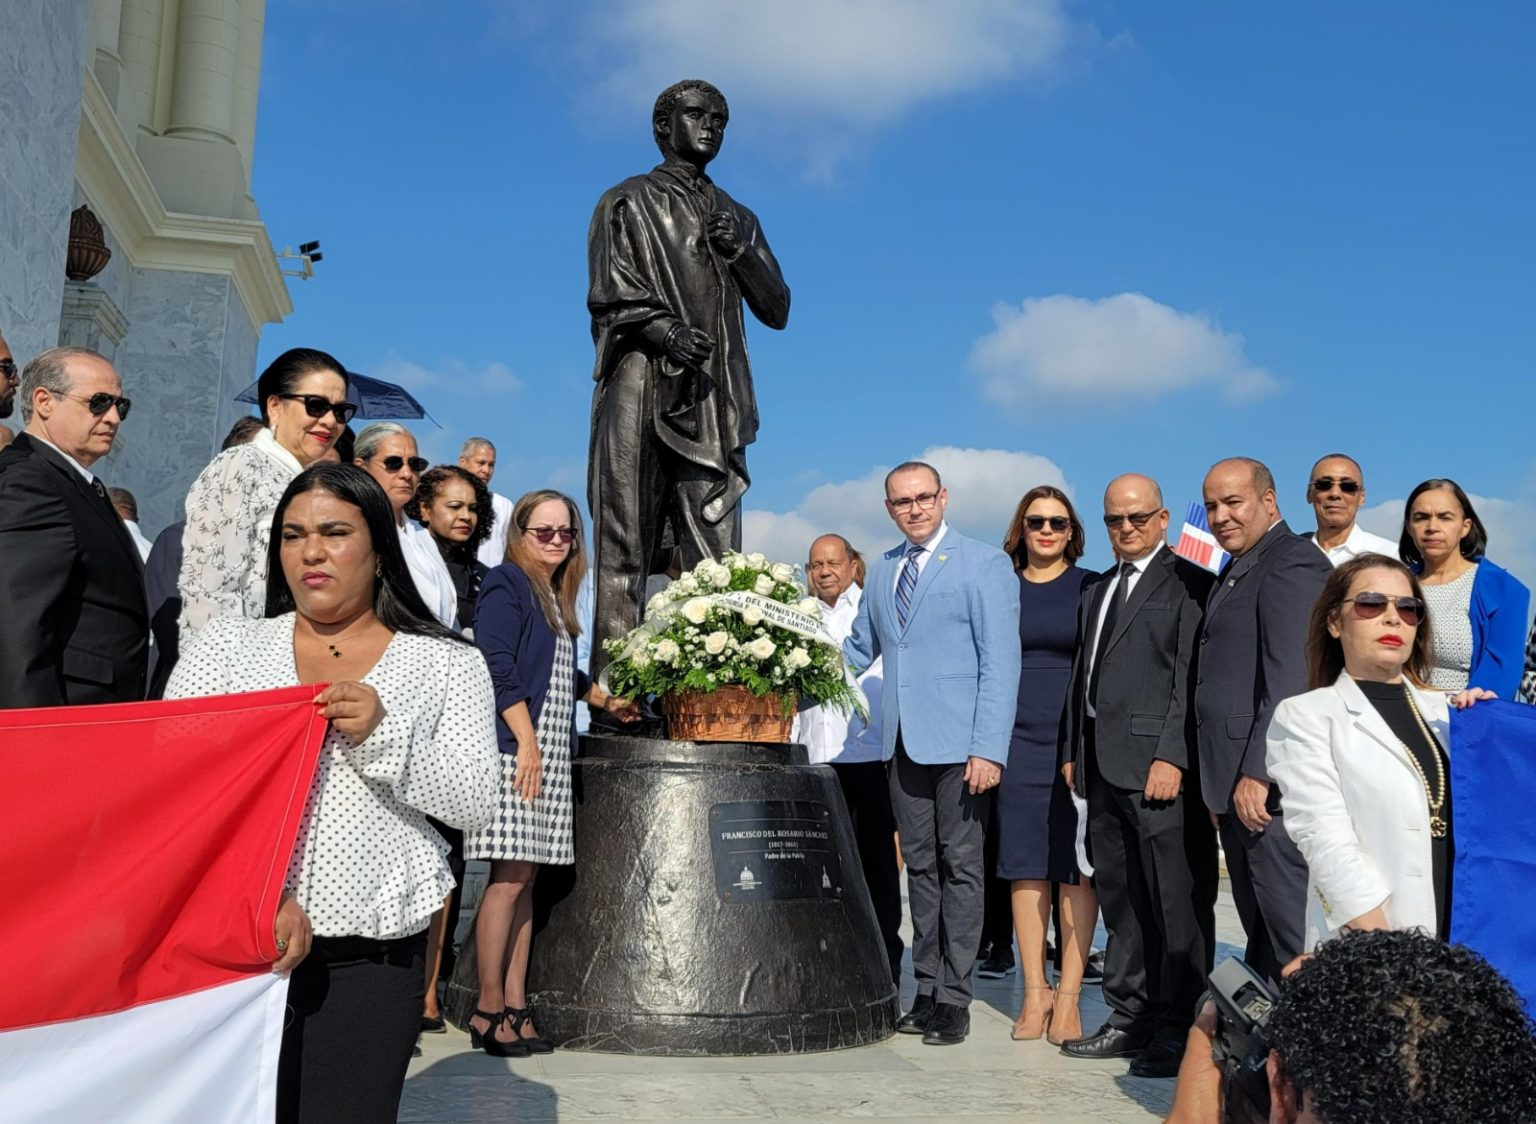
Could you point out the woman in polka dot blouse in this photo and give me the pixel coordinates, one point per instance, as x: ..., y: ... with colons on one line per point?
x: 411, y: 735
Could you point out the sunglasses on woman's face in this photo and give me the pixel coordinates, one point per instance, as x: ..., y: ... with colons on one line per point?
x: 393, y: 465
x: 1368, y: 606
x: 547, y: 535
x: 316, y: 406
x: 1058, y: 523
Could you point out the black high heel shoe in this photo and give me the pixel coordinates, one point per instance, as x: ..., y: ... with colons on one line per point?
x: 490, y: 1043
x: 522, y: 1017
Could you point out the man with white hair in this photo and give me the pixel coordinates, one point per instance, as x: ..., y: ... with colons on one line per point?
x: 71, y: 580
x: 477, y: 457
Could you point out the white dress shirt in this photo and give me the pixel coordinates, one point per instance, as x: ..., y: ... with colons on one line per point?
x: 1140, y: 567
x: 493, y: 551
x: 924, y: 553
x: 366, y: 862
x: 430, y: 573
x: 829, y: 736
x: 90, y: 477
x: 138, y: 538
x: 1360, y: 541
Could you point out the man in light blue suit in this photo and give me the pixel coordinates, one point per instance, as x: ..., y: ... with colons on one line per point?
x: 943, y: 610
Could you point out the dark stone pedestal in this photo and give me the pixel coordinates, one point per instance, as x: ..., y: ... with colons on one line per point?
x: 717, y: 907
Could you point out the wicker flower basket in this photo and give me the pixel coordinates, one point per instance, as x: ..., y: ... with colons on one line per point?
x: 726, y: 714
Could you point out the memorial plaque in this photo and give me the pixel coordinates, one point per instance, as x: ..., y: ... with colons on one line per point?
x: 773, y: 850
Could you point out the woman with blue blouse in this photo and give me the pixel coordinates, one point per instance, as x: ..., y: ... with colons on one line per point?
x: 1478, y: 611
x: 526, y: 625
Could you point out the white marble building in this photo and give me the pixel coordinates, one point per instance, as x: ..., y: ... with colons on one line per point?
x: 145, y: 111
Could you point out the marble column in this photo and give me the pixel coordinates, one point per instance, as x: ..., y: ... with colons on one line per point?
x: 248, y: 79
x: 43, y: 52
x: 207, y: 50
x: 138, y: 43
x: 91, y: 318
x: 106, y: 29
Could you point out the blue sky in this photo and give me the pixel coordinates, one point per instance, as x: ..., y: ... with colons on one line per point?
x: 1044, y: 241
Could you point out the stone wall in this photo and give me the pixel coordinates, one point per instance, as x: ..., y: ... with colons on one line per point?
x: 43, y: 47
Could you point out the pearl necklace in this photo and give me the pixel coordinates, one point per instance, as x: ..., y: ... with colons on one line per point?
x: 1437, y: 825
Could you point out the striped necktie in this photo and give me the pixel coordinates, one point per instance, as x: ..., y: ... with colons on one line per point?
x: 906, y: 585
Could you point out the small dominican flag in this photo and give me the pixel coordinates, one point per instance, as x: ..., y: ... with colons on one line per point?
x: 1198, y: 544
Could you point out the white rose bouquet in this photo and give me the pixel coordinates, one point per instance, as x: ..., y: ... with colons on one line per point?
x: 740, y: 620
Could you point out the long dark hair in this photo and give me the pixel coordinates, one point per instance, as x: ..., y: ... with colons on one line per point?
x: 1474, y: 545
x: 432, y: 482
x: 396, y: 602
x: 284, y: 373
x: 1325, y: 653
x: 1014, y: 543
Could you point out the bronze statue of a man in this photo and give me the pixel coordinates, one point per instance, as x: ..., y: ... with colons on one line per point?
x: 670, y: 258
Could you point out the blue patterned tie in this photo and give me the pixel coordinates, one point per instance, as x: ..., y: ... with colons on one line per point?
x: 906, y: 585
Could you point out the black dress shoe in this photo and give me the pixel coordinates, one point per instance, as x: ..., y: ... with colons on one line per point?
x: 1093, y: 970
x: 915, y: 1021
x: 1160, y: 1059
x: 1107, y: 1042
x: 948, y: 1027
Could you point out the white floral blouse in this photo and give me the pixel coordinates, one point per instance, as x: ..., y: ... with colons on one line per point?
x: 367, y: 863
x: 229, y: 521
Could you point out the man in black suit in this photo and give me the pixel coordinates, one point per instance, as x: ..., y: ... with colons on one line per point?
x: 71, y: 581
x: 1127, y: 750
x: 1253, y: 653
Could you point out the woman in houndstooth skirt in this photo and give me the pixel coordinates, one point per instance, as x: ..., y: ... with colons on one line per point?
x: 526, y: 624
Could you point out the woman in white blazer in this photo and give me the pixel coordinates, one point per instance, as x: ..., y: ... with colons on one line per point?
x: 1362, y: 762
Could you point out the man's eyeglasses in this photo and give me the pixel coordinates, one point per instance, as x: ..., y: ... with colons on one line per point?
x: 547, y: 535
x: 1137, y: 518
x: 1058, y: 523
x: 1327, y: 483
x: 316, y: 406
x: 923, y: 502
x: 98, y: 404
x: 8, y: 368
x: 393, y: 465
x: 1370, y: 605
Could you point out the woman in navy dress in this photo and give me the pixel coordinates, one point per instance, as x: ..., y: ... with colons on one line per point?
x: 1037, y: 821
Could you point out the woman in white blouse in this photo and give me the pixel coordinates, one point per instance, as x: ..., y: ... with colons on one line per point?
x: 411, y: 714
x: 387, y: 451
x: 304, y: 407
x: 1362, y: 760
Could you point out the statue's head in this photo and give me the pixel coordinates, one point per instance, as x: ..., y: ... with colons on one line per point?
x: 689, y: 121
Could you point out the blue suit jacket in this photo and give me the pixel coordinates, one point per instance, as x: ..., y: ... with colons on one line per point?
x: 1501, y: 608
x: 952, y: 674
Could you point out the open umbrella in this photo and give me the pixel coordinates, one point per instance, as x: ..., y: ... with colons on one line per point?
x: 374, y: 399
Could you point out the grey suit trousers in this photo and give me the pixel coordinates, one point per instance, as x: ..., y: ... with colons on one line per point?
x: 943, y: 833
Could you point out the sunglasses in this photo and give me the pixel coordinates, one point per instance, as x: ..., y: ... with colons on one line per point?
x: 1058, y: 523
x: 316, y: 406
x: 1370, y: 605
x: 8, y: 368
x: 1326, y: 484
x: 99, y: 403
x: 547, y: 535
x: 393, y: 465
x: 1137, y: 518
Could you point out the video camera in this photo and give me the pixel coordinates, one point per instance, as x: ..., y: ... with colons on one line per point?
x: 1243, y: 1000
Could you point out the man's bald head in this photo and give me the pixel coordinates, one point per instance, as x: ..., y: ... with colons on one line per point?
x: 1135, y: 516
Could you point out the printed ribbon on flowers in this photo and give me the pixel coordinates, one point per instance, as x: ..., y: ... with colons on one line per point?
x: 775, y: 613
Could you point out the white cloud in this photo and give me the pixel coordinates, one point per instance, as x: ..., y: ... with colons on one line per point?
x: 841, y: 68
x: 984, y: 487
x: 1511, y: 527
x: 448, y: 376
x: 1129, y: 346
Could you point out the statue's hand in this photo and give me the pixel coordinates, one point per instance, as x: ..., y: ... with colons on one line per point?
x: 688, y: 347
x: 725, y: 232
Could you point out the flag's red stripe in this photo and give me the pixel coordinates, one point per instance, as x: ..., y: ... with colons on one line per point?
x: 145, y: 846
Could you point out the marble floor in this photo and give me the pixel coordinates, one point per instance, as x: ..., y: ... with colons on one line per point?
x: 988, y: 1078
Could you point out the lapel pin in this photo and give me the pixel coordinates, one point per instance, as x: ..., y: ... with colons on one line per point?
x: 943, y: 558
